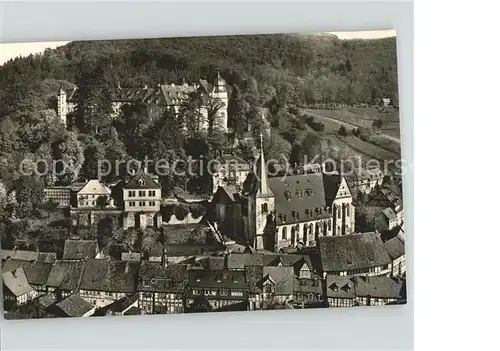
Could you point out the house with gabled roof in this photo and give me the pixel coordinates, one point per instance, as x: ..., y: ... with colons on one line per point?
x: 308, y: 292
x: 64, y: 277
x: 80, y: 249
x: 75, y: 306
x: 340, y: 290
x: 339, y: 196
x: 229, y: 170
x: 141, y: 199
x: 36, y: 272
x: 379, y: 290
x: 104, y: 282
x: 93, y: 194
x: 386, y: 220
x: 16, y: 287
x: 228, y: 211
x: 269, y: 287
x: 161, y: 289
x: 366, y: 179
x: 396, y: 249
x: 220, y: 288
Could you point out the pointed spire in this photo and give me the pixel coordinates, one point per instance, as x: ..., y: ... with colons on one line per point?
x: 262, y: 176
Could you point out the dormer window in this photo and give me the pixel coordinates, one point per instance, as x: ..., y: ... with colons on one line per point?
x: 335, y: 287
x: 288, y: 195
x: 308, y: 192
x: 140, y: 182
x: 299, y: 193
x: 346, y: 288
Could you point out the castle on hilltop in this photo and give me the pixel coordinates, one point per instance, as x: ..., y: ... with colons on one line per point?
x: 163, y: 95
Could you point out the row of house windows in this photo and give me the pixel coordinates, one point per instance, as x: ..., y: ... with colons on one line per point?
x: 365, y: 270
x: 309, y: 297
x: 340, y: 302
x: 141, y: 203
x: 142, y: 193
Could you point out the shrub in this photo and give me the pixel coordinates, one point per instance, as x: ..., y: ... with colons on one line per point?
x: 342, y: 131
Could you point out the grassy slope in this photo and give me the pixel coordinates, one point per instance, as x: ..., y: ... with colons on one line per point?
x: 363, y: 117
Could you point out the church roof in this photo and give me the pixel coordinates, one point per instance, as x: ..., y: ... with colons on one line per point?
x: 297, y: 193
x: 331, y: 183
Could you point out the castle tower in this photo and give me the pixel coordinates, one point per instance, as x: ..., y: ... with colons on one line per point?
x: 264, y: 203
x: 220, y: 92
x: 62, y: 106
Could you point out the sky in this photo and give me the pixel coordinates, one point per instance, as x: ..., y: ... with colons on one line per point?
x: 11, y: 50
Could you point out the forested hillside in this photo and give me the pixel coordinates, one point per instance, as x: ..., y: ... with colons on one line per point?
x: 276, y: 72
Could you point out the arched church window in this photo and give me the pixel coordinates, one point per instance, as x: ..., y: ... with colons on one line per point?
x: 347, y: 210
x: 283, y: 233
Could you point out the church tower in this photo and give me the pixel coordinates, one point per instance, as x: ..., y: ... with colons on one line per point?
x: 220, y: 92
x: 264, y: 204
x: 62, y: 107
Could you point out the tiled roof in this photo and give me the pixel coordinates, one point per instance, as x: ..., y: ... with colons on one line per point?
x: 340, y: 286
x: 47, y: 300
x: 395, y: 247
x: 143, y: 94
x: 20, y: 255
x: 122, y: 304
x: 154, y: 277
x: 79, y: 249
x: 66, y: 275
x: 110, y: 276
x: 175, y: 95
x: 389, y: 213
x: 16, y: 282
x: 297, y: 193
x: 283, y: 278
x: 94, y: 186
x: 36, y: 272
x: 179, y: 250
x: 134, y: 182
x: 75, y: 306
x: 217, y: 279
x: 379, y: 286
x: 349, y: 252
x: 308, y: 285
x: 240, y: 260
x: 331, y: 183
x: 215, y: 263
x: 49, y: 257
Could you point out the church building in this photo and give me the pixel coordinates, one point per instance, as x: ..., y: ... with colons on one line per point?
x: 280, y: 212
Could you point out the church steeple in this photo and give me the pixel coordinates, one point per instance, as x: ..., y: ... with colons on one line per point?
x: 264, y: 189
